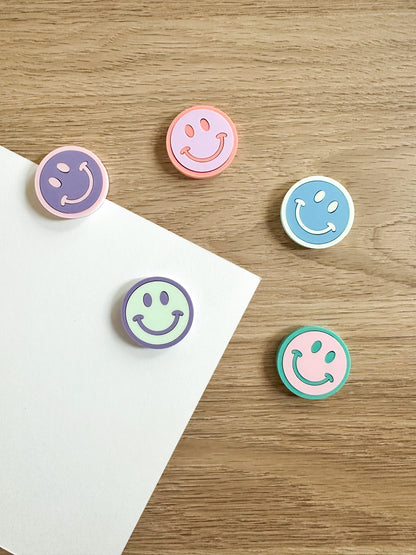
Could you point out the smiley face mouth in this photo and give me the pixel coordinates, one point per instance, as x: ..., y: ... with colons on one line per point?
x: 296, y: 355
x: 82, y: 167
x: 186, y: 150
x: 330, y: 225
x: 139, y: 319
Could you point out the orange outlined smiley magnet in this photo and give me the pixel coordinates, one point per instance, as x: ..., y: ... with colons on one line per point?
x: 201, y: 141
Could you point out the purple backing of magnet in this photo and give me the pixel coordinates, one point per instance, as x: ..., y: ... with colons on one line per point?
x: 126, y: 300
x: 74, y: 182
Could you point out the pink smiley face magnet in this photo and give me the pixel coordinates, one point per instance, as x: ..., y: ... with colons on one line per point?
x: 201, y: 141
x: 313, y: 362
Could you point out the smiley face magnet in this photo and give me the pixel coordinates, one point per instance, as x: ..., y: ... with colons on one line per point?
x: 201, y: 141
x: 317, y: 212
x: 71, y: 182
x: 313, y: 362
x: 157, y: 312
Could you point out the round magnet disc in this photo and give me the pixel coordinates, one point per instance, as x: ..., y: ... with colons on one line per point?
x: 317, y: 212
x: 201, y: 141
x: 313, y: 362
x: 71, y: 182
x: 157, y: 312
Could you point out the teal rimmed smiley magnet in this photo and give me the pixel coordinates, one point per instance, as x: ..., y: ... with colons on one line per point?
x: 157, y: 312
x: 317, y: 212
x: 313, y: 362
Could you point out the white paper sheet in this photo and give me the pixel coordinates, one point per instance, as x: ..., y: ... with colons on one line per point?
x: 88, y: 420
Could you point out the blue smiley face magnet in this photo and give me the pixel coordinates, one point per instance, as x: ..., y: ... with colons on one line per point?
x: 317, y: 212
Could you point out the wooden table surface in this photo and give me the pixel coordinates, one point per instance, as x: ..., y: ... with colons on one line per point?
x: 324, y: 87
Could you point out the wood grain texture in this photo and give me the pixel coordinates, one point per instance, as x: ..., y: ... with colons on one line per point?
x: 318, y: 87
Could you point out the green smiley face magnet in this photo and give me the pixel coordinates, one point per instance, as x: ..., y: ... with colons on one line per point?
x: 157, y: 312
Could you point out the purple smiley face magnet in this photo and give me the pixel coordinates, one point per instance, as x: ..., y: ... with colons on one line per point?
x: 71, y: 182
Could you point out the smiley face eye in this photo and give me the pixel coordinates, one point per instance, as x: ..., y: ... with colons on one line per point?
x: 189, y: 130
x: 320, y: 195
x: 147, y: 299
x: 329, y: 357
x: 62, y: 167
x: 164, y: 298
x: 332, y: 206
x: 54, y: 181
x: 316, y: 346
x: 204, y: 124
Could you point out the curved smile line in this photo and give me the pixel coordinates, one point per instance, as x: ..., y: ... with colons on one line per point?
x: 220, y: 136
x: 176, y: 313
x: 330, y: 225
x: 297, y: 354
x: 82, y: 167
